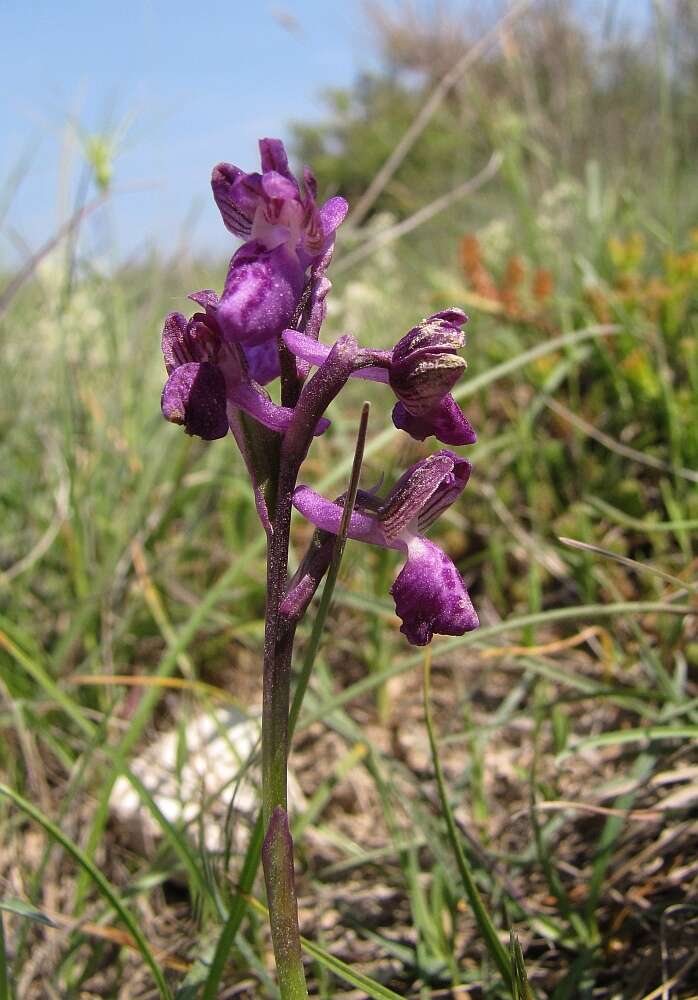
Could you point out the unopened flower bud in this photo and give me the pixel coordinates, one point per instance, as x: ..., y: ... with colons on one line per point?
x: 425, y: 365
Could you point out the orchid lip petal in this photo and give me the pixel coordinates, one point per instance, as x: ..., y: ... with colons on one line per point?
x: 430, y: 596
x: 194, y: 396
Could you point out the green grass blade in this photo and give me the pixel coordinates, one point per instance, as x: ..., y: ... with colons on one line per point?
x: 332, y: 573
x: 633, y: 564
x: 237, y: 911
x: 372, y: 988
x: 479, y: 637
x: 102, y: 883
x: 152, y: 696
x: 22, y: 909
x: 41, y: 676
x: 176, y: 838
x: 638, y: 524
x: 619, y: 737
x: 4, y: 971
x: 522, y: 988
x: 484, y: 921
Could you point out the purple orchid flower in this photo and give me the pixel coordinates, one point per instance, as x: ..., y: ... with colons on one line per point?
x: 429, y: 593
x: 285, y: 234
x: 209, y: 379
x: 421, y: 369
x: 266, y: 325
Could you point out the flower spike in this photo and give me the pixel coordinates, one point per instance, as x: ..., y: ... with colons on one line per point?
x: 285, y: 233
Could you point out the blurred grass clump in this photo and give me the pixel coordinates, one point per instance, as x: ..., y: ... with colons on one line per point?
x: 131, y: 581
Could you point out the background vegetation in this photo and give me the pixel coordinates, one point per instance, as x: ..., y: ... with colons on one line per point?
x: 131, y: 582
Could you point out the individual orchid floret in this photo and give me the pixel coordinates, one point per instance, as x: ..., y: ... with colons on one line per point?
x: 262, y: 359
x: 424, y: 368
x: 209, y: 380
x: 286, y: 234
x: 421, y: 369
x: 429, y: 594
x: 194, y: 394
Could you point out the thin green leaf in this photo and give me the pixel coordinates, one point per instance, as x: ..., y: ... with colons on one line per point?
x: 4, y: 971
x: 648, y: 734
x: 479, y: 637
x: 332, y: 573
x: 484, y: 921
x: 522, y: 988
x: 237, y: 911
x: 105, y: 887
x: 639, y: 567
x: 22, y: 909
x: 177, y: 839
x: 39, y: 674
x: 636, y: 523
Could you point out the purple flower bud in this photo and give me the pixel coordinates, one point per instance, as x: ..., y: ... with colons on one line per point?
x: 194, y: 396
x: 423, y: 370
x: 425, y: 366
x: 430, y: 596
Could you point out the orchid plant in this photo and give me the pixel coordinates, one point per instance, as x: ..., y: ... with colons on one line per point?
x: 266, y: 326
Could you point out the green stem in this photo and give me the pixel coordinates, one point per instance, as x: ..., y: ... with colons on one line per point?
x: 279, y: 632
x: 277, y: 859
x: 277, y: 852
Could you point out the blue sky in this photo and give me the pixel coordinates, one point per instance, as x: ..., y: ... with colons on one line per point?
x: 198, y: 83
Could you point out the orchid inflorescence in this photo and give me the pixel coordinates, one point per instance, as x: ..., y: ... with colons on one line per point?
x: 269, y: 316
x: 265, y: 326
